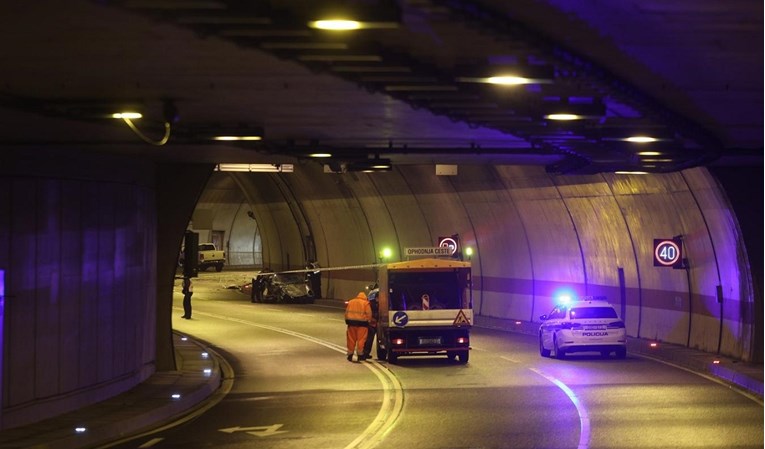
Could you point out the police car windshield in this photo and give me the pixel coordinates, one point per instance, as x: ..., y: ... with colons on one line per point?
x: 593, y: 312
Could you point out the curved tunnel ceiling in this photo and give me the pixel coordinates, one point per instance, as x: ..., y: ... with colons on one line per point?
x: 408, y: 89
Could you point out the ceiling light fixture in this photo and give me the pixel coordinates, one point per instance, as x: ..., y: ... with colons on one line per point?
x: 512, y: 80
x: 352, y: 16
x: 511, y: 75
x: 370, y: 165
x: 237, y: 138
x: 335, y: 24
x: 320, y: 155
x: 349, y: 25
x: 256, y: 168
x: 563, y: 117
x: 129, y: 116
x: 565, y: 111
x: 227, y: 133
x: 641, y: 139
x: 638, y: 135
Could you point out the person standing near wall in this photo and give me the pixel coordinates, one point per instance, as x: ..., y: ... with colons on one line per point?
x: 314, y: 278
x: 188, y: 290
x: 358, y: 314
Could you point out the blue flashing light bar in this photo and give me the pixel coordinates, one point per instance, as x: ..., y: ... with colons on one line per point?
x: 564, y: 297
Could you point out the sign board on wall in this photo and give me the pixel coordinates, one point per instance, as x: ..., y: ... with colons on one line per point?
x: 668, y: 253
x: 452, y: 242
x: 426, y: 252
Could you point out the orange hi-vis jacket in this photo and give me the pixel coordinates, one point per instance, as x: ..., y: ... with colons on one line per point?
x: 358, y: 312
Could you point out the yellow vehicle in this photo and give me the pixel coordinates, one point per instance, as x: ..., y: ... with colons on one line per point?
x: 425, y: 308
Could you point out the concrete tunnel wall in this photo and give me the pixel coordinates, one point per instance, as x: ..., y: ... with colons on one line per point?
x: 79, y: 315
x: 88, y: 243
x: 533, y: 234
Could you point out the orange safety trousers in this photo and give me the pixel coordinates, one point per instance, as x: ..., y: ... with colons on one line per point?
x: 355, y: 337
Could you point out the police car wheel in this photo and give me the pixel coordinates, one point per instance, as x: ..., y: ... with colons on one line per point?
x: 621, y: 353
x: 605, y: 354
x: 559, y: 353
x: 542, y: 351
x: 463, y: 356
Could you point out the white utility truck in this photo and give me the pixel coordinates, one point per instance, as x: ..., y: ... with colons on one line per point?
x: 425, y: 308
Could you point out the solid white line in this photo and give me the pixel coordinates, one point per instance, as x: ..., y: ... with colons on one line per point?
x: 393, y: 392
x: 150, y: 443
x: 738, y: 389
x: 584, y: 418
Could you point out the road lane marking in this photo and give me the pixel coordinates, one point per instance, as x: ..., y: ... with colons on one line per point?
x: 732, y: 386
x: 150, y: 443
x: 393, y: 392
x: 258, y: 431
x: 584, y: 417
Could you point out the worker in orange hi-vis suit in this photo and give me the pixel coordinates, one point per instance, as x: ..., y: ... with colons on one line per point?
x: 358, y: 314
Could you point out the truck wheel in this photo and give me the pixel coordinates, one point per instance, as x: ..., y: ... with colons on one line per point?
x: 463, y: 356
x: 392, y: 357
x: 219, y: 267
x: 381, y: 352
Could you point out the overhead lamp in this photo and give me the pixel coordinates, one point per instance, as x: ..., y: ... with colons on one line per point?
x: 638, y: 138
x: 566, y: 111
x: 349, y: 25
x: 626, y: 172
x: 320, y: 155
x: 638, y: 135
x: 649, y: 153
x: 230, y: 138
x: 641, y: 139
x: 335, y: 24
x: 129, y: 116
x: 351, y: 16
x: 511, y: 75
x: 256, y: 168
x: 370, y: 165
x: 218, y: 133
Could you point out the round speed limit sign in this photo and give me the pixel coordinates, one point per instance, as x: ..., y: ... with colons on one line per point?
x: 666, y: 253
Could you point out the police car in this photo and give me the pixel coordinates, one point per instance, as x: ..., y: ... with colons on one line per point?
x: 582, y: 326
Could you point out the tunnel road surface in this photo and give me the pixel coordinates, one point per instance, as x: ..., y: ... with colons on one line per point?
x: 293, y: 388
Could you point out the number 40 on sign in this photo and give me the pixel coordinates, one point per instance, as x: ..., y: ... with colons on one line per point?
x: 668, y: 253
